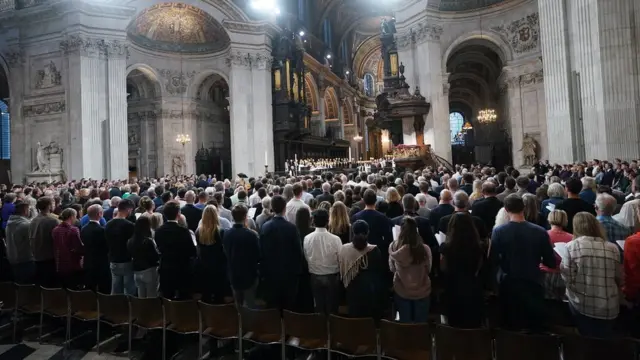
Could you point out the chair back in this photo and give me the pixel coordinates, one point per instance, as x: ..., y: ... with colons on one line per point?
x: 575, y: 347
x: 114, y: 309
x: 452, y: 343
x: 28, y: 297
x: 148, y: 313
x: 307, y: 331
x: 405, y: 341
x: 521, y: 346
x: 261, y: 325
x: 182, y: 315
x: 353, y: 336
x: 7, y: 295
x: 83, y: 304
x: 219, y: 321
x: 54, y: 301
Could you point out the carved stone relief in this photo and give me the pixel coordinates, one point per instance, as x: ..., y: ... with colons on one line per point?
x: 94, y: 47
x: 48, y: 77
x: 523, y: 35
x: 44, y: 109
x: 260, y: 60
x: 176, y: 82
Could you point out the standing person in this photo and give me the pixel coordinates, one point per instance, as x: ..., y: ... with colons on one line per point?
x: 68, y: 250
x: 321, y: 250
x: 487, y: 208
x: 410, y: 262
x: 593, y: 276
x: 18, y: 246
x: 281, y: 255
x: 145, y: 259
x: 339, y: 222
x: 362, y: 270
x: 177, y: 252
x: 190, y: 211
x: 212, y: 263
x: 118, y: 232
x: 518, y: 248
x: 295, y: 203
x: 41, y: 240
x: 573, y: 204
x: 379, y: 225
x: 305, y: 294
x: 242, y: 249
x: 553, y: 283
x: 96, y: 259
x: 463, y: 257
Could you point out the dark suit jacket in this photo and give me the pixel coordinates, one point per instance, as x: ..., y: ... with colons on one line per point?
x: 193, y: 216
x: 258, y: 207
x: 281, y: 250
x: 175, y: 246
x: 480, y: 227
x: 380, y: 233
x: 487, y: 209
x: 108, y: 214
x: 468, y: 188
x: 325, y: 197
x: 135, y: 198
x: 96, y: 250
x: 242, y: 248
x: 439, y: 212
x: 424, y: 229
x: 315, y: 192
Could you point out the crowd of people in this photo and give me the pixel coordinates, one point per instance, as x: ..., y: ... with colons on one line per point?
x: 379, y: 243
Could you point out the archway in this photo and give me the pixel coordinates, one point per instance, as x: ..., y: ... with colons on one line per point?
x: 143, y: 95
x: 213, y: 127
x: 474, y: 67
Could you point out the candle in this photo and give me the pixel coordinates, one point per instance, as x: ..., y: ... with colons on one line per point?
x: 266, y: 160
x: 349, y: 153
x: 296, y: 157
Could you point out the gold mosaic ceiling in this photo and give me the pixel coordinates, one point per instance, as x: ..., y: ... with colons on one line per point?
x: 177, y: 27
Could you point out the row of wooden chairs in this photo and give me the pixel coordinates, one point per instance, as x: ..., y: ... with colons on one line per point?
x: 335, y: 335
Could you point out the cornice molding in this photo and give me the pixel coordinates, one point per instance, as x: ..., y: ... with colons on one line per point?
x: 94, y: 47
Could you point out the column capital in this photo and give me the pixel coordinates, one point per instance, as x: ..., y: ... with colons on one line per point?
x: 425, y: 31
x: 94, y: 47
x: 259, y: 60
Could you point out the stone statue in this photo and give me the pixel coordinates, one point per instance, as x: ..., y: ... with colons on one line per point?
x: 42, y: 161
x: 177, y: 165
x: 529, y: 148
x: 133, y: 138
x: 48, y: 77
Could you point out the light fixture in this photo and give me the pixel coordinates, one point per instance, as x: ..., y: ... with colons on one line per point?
x: 301, y: 33
x: 183, y: 139
x: 357, y: 138
x: 487, y: 116
x: 328, y: 56
x: 265, y: 6
x: 347, y: 72
x: 467, y: 126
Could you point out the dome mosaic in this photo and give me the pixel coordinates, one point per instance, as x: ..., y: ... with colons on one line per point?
x: 177, y: 27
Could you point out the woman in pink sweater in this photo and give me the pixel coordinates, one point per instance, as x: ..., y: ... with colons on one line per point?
x: 410, y: 262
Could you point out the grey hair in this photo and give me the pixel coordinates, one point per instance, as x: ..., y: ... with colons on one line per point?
x: 287, y: 192
x: 555, y: 190
x: 326, y: 187
x: 606, y: 204
x: 409, y: 203
x: 339, y: 195
x: 219, y: 186
x: 460, y: 199
x: 421, y: 198
x: 588, y: 183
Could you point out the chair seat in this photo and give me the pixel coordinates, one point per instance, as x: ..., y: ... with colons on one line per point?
x: 116, y: 320
x: 56, y: 311
x: 307, y: 343
x: 86, y: 315
x: 262, y: 338
x: 149, y: 324
x: 182, y: 329
x: 228, y: 300
x: 409, y: 354
x: 360, y: 350
x: 30, y: 308
x: 343, y: 310
x: 222, y: 333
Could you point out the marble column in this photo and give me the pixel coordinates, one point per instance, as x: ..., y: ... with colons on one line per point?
x: 321, y: 128
x: 557, y: 86
x: 118, y: 165
x: 20, y: 149
x: 262, y: 117
x: 341, y: 118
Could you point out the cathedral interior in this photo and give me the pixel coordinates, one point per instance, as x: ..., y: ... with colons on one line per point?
x: 124, y: 88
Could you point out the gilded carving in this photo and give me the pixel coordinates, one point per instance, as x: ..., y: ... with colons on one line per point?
x: 523, y: 34
x: 44, y: 109
x: 48, y: 77
x: 176, y: 82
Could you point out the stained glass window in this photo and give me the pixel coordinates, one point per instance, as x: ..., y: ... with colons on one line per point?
x: 456, y: 120
x: 368, y: 85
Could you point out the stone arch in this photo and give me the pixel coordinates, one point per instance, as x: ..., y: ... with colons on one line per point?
x: 489, y: 37
x: 200, y: 78
x: 311, y: 90
x: 482, y: 82
x: 4, y: 66
x: 330, y: 104
x: 366, y: 54
x: 151, y: 76
x: 347, y: 111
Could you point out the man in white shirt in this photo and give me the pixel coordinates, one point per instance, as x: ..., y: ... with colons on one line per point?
x: 431, y: 201
x: 321, y: 251
x: 294, y: 204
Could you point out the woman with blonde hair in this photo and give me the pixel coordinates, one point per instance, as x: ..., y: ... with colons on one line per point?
x: 531, y: 213
x: 592, y: 273
x: 211, y: 263
x: 339, y: 224
x: 477, y: 192
x: 394, y: 208
x: 553, y: 283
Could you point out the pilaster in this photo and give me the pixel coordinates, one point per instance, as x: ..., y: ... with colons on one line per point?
x: 20, y: 149
x: 321, y: 128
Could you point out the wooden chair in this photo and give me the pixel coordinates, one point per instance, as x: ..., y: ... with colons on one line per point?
x: 560, y: 319
x: 28, y: 302
x: 83, y: 306
x: 453, y: 343
x: 261, y: 326
x: 306, y: 331
x: 405, y: 341
x: 8, y: 296
x: 575, y: 347
x: 522, y: 346
x: 218, y: 321
x: 113, y: 310
x: 148, y: 314
x: 352, y: 337
x: 181, y: 316
x: 54, y: 303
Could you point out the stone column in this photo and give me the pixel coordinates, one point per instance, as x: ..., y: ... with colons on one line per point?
x: 342, y: 102
x: 20, y: 147
x: 262, y: 117
x: 321, y: 129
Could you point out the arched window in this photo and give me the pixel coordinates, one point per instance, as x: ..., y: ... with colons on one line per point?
x: 456, y: 120
x: 368, y: 85
x: 5, y: 132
